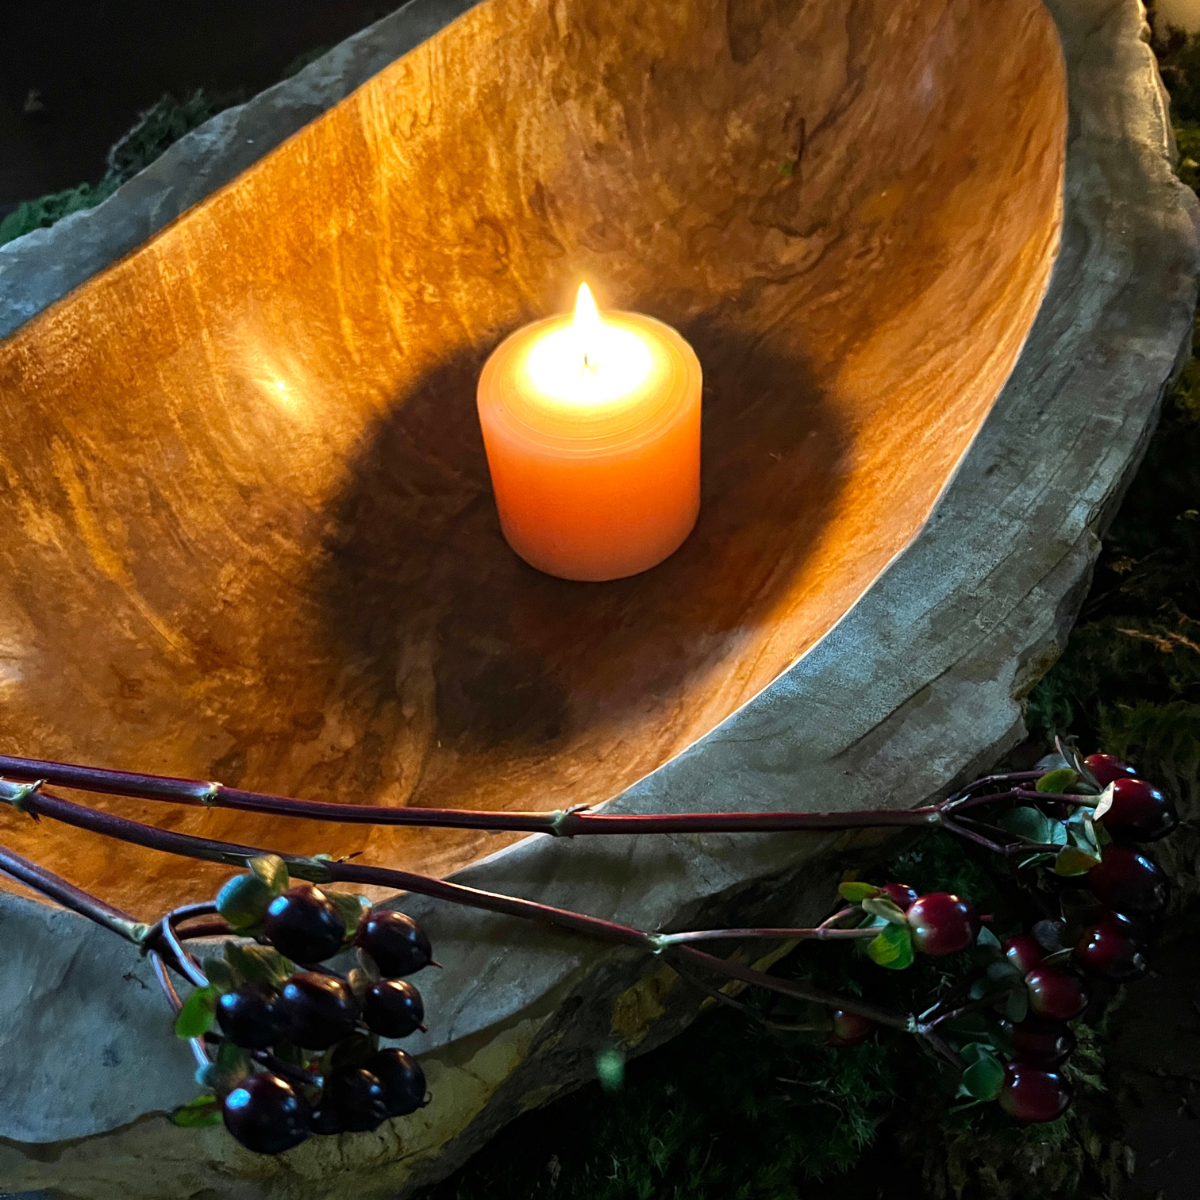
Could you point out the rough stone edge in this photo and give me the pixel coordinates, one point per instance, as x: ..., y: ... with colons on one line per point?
x: 45, y: 265
x: 976, y: 644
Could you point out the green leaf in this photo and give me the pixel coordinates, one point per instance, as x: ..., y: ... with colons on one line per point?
x: 987, y: 938
x: 1105, y: 802
x: 272, y: 870
x: 892, y: 948
x: 196, y: 1016
x: 1057, y: 781
x: 1004, y: 974
x: 1034, y: 860
x: 351, y: 906
x: 889, y: 910
x: 199, y: 1113
x: 243, y: 902
x: 972, y: 1052
x: 232, y: 1058
x: 1073, y: 861
x: 1033, y: 825
x: 856, y: 892
x: 1016, y: 1007
x: 257, y: 964
x: 984, y: 1077
x: 218, y: 974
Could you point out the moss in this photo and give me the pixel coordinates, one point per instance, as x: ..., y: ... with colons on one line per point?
x: 161, y: 125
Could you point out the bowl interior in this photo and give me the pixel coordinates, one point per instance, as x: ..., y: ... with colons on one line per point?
x: 249, y: 533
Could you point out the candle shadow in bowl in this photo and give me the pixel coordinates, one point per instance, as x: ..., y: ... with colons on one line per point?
x: 501, y: 679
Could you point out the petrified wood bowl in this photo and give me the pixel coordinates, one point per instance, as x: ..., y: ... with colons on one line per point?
x: 248, y: 533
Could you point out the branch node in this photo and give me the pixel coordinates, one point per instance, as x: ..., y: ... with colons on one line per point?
x: 211, y: 794
x: 20, y: 794
x: 560, y: 820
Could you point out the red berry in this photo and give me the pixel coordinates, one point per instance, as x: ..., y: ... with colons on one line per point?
x: 1107, y: 949
x: 1129, y: 882
x: 1139, y: 812
x: 1023, y: 952
x: 942, y: 923
x: 900, y: 894
x: 1107, y: 768
x: 266, y: 1114
x: 1032, y: 1094
x: 1054, y: 993
x: 303, y: 924
x: 1041, y: 1042
x: 849, y: 1028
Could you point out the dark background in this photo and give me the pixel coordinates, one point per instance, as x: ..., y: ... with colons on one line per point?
x: 98, y: 63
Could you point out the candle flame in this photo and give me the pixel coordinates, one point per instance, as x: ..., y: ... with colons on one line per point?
x: 587, y: 360
x: 586, y: 325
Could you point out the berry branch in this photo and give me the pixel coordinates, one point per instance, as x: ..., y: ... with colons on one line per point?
x: 297, y: 1049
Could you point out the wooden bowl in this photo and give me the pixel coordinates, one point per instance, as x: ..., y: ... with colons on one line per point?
x: 249, y: 534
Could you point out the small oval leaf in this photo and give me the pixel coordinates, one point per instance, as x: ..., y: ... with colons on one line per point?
x: 272, y: 870
x: 1073, y: 861
x: 351, y: 906
x: 196, y: 1016
x: 243, y: 901
x: 1057, y: 781
x: 984, y: 1078
x: 856, y: 892
x: 892, y: 948
x: 197, y: 1114
x: 889, y: 910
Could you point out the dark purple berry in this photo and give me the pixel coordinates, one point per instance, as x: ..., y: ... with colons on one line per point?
x: 396, y: 942
x: 393, y: 1008
x: 1055, y: 994
x: 303, y: 924
x: 266, y: 1114
x: 323, y: 1121
x: 1033, y: 1094
x: 248, y: 1016
x: 1108, y: 768
x: 355, y: 1099
x: 942, y: 924
x: 319, y: 1010
x: 1129, y: 882
x: 1139, y: 812
x: 1041, y: 1042
x: 1109, y: 950
x: 402, y: 1078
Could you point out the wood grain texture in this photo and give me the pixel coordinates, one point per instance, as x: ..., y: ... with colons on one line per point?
x: 248, y: 529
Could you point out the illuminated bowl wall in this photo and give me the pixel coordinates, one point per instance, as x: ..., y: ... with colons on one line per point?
x: 248, y: 532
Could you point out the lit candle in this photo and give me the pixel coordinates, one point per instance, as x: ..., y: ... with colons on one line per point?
x: 592, y: 430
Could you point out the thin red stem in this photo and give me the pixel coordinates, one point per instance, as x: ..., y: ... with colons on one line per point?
x: 558, y: 824
x: 42, y: 803
x: 69, y: 896
x: 817, y: 933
